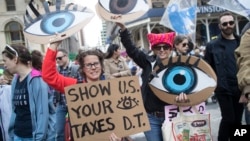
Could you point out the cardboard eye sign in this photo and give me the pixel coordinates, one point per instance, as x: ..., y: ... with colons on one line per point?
x: 121, y: 10
x: 54, y: 23
x: 187, y: 74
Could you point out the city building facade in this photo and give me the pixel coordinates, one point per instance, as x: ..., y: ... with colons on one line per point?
x: 206, y: 23
x: 12, y: 24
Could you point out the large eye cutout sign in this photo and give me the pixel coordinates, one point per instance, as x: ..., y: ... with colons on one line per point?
x: 123, y: 10
x: 54, y: 23
x: 187, y: 74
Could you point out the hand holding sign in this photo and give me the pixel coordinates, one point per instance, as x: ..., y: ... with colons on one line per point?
x: 183, y: 74
x: 97, y: 109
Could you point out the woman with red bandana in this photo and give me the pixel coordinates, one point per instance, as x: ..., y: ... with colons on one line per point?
x: 161, y: 45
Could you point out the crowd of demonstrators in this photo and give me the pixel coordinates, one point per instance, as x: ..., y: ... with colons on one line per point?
x: 33, y: 116
x: 220, y: 55
x: 69, y: 69
x: 91, y: 64
x: 32, y: 120
x: 242, y: 57
x: 115, y: 66
x: 5, y: 104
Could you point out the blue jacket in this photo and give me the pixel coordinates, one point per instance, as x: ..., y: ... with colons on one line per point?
x: 41, y: 108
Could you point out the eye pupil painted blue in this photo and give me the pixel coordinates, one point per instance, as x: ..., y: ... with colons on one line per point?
x: 179, y: 79
x: 57, y: 22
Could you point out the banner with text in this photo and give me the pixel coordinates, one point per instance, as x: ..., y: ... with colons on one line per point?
x: 97, y: 109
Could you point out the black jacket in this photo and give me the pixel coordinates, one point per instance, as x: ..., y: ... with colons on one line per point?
x: 216, y: 57
x: 151, y: 102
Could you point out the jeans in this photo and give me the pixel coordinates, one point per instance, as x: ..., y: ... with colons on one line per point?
x: 155, y: 134
x: 231, y: 113
x: 61, y: 111
x: 16, y: 138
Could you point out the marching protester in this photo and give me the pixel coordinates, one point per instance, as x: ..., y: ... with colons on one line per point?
x: 114, y: 65
x: 180, y: 45
x: 69, y: 69
x: 161, y: 45
x: 220, y: 55
x: 242, y: 58
x: 33, y: 115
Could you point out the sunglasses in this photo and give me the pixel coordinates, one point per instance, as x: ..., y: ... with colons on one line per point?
x: 11, y: 50
x: 184, y: 44
x: 226, y: 23
x: 159, y: 47
x: 60, y: 58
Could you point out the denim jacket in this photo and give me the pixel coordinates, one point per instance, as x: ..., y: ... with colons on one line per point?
x: 41, y: 108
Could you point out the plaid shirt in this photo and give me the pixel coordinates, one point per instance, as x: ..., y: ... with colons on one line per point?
x: 59, y: 97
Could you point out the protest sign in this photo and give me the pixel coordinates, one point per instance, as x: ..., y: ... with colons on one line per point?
x: 171, y: 111
x: 49, y: 24
x: 183, y: 74
x: 97, y: 109
x: 124, y: 11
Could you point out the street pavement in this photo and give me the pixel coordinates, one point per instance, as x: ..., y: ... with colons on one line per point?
x: 215, y: 117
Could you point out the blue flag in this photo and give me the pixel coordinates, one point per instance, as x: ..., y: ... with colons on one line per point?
x: 180, y: 16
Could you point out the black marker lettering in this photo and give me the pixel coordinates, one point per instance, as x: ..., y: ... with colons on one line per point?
x: 71, y: 92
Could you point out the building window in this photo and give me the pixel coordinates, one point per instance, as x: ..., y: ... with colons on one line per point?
x: 10, y: 5
x: 14, y: 34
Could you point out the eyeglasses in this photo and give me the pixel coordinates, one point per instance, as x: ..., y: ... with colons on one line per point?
x: 184, y: 44
x: 60, y: 58
x: 159, y: 47
x: 90, y: 65
x: 226, y: 23
x: 11, y: 50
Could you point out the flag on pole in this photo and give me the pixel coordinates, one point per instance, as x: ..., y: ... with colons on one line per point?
x: 241, y: 7
x: 180, y: 16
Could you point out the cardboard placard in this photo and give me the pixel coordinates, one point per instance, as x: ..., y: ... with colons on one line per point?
x: 123, y: 11
x: 97, y: 109
x: 171, y: 111
x: 187, y: 74
x: 55, y: 24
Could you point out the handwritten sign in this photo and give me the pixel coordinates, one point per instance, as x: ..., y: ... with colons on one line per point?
x: 171, y: 111
x: 97, y: 109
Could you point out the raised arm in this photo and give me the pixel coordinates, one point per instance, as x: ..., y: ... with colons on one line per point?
x: 139, y: 57
x: 49, y: 72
